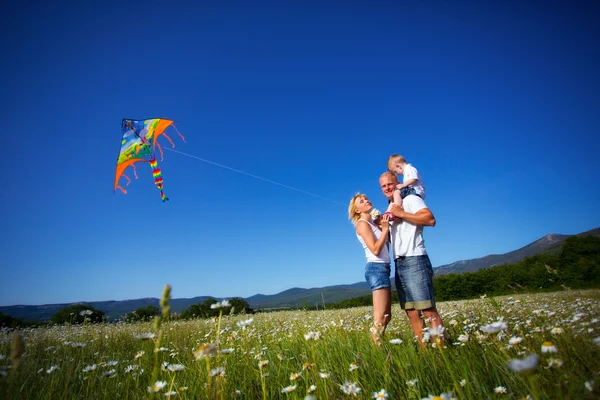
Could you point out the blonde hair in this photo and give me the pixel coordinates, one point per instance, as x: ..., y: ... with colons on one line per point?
x: 352, y: 215
x: 395, y: 159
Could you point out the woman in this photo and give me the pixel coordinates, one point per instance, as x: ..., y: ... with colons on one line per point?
x: 377, y: 271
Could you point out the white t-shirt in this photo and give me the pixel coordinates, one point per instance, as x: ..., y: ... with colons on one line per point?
x: 411, y: 172
x: 407, y: 239
x: 384, y: 255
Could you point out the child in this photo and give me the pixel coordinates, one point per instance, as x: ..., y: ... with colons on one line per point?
x: 411, y: 182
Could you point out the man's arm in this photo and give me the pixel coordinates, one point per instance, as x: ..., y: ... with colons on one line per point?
x: 423, y: 217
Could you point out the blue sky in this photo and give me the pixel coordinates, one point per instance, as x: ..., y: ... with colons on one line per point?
x: 495, y: 103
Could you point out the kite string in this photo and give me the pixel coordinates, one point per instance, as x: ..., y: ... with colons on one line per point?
x: 254, y: 176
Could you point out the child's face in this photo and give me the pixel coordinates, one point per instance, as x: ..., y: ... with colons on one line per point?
x: 398, y: 169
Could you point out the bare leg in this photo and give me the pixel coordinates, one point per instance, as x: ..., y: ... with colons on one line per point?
x: 435, y: 320
x: 417, y: 324
x: 382, y: 312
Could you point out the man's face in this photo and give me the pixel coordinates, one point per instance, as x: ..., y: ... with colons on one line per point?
x: 388, y: 184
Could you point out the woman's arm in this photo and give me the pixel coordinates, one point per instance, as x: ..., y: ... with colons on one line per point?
x: 365, y: 232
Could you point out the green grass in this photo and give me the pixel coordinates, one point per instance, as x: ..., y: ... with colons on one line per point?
x: 278, y: 338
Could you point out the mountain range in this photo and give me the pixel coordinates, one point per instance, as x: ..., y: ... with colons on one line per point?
x: 299, y: 297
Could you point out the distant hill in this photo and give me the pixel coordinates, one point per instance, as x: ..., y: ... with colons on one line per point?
x: 298, y: 297
x: 548, y: 244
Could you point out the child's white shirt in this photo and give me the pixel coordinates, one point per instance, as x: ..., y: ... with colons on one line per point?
x: 411, y: 172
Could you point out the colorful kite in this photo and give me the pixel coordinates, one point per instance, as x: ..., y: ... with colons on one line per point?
x: 139, y: 144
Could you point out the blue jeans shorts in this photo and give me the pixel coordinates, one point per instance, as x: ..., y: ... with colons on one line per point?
x: 378, y: 275
x: 414, y: 282
x: 405, y: 191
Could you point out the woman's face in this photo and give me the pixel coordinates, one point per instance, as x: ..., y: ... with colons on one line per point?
x: 363, y: 205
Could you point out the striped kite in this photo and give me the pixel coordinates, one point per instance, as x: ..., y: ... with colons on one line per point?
x: 139, y: 143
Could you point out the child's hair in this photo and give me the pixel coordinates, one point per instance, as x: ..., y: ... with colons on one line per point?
x: 352, y: 215
x: 395, y: 159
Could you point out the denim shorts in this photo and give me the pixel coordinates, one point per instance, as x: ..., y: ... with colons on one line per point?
x: 406, y: 191
x: 414, y: 282
x: 377, y: 275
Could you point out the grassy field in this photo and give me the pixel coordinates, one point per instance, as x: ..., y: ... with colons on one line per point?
x: 324, y: 354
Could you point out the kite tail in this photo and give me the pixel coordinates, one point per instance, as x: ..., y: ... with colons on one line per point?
x: 158, y: 181
x: 180, y: 135
x: 161, y: 151
x: 169, y: 139
x: 122, y: 190
x: 134, y: 171
x: 128, y: 179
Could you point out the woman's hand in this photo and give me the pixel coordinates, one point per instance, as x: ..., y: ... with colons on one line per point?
x: 385, y: 222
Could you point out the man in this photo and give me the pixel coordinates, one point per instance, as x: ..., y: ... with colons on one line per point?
x: 414, y: 273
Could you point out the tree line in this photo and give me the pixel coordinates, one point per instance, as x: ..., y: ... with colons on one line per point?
x: 85, y: 313
x: 575, y: 266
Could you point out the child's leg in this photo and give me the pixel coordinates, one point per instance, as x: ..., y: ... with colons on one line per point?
x: 396, y: 199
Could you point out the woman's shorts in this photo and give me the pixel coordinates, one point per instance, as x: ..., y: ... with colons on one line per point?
x: 414, y: 282
x: 378, y: 275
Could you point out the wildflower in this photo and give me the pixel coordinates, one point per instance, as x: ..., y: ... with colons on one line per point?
x: 238, y: 393
x: 183, y: 389
x: 495, y: 327
x: 324, y: 374
x: 171, y: 393
x: 528, y: 363
x: 110, y: 363
x: 52, y: 369
x: 145, y: 336
x: 244, y: 324
x: 311, y: 389
x: 412, y: 382
x: 288, y: 389
x: 500, y: 390
x: 175, y: 367
x: 464, y: 338
x: 139, y: 354
x: 396, y: 341
x: 353, y: 366
x: 589, y: 386
x: 294, y: 376
x: 109, y: 372
x: 312, y: 335
x: 375, y: 213
x: 158, y: 385
x: 222, y: 304
x: 443, y: 396
x: 263, y: 363
x: 90, y: 368
x: 226, y: 351
x: 217, y: 371
x: 548, y: 347
x: 556, y: 331
x: 131, y: 368
x: 382, y: 394
x: 463, y: 383
x: 555, y: 363
x: 596, y: 340
x: 85, y: 312
x: 453, y: 322
x: 307, y: 365
x: 350, y: 388
x: 515, y: 340
x: 206, y: 350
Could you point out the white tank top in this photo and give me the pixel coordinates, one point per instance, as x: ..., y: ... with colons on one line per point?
x: 384, y: 255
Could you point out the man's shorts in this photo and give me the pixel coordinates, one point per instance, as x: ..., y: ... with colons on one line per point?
x: 414, y: 282
x: 378, y: 275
